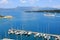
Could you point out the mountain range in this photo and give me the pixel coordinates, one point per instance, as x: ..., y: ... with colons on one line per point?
x: 29, y: 9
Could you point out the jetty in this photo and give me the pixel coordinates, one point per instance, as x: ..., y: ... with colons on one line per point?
x: 36, y: 34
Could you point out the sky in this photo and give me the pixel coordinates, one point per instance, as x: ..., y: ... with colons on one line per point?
x: 28, y: 3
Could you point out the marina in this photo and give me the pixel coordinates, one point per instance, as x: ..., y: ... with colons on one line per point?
x: 36, y: 34
x: 29, y: 19
x: 21, y: 33
x: 35, y: 29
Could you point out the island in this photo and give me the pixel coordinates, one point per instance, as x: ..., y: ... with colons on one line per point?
x: 51, y: 11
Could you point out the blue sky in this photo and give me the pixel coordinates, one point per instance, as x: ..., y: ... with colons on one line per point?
x: 35, y: 3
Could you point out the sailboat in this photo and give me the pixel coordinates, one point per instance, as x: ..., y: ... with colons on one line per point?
x: 11, y: 31
x: 37, y: 35
x: 46, y: 36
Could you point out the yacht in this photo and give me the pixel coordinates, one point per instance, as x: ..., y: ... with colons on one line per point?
x: 29, y: 33
x: 57, y: 38
x: 49, y: 14
x: 11, y: 31
x: 36, y: 34
x: 17, y: 32
x: 47, y: 37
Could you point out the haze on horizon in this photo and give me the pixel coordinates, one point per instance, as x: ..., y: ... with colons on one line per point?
x: 28, y: 3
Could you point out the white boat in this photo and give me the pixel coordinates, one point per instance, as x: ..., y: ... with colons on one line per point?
x: 49, y: 14
x: 57, y: 38
x: 22, y: 32
x: 29, y: 33
x: 11, y: 31
x: 37, y: 35
x: 17, y: 32
x: 47, y: 37
x: 7, y: 39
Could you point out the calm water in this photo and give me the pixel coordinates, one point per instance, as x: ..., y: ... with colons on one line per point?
x: 36, y: 22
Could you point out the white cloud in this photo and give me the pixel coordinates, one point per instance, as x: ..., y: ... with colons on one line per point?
x: 3, y: 1
x: 57, y: 6
x: 33, y: 1
x: 29, y: 1
x: 23, y: 1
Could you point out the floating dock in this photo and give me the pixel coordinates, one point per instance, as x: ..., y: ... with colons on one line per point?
x: 36, y: 34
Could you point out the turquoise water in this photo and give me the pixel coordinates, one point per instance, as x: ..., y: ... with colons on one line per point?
x: 33, y: 21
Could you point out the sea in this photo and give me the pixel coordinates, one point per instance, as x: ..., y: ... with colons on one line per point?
x: 29, y: 21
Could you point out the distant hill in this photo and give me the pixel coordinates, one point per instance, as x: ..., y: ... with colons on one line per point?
x: 34, y: 9
x: 30, y: 8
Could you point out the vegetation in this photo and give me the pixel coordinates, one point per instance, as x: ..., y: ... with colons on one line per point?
x: 52, y: 11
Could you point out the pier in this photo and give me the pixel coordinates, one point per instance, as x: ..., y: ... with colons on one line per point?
x: 36, y: 34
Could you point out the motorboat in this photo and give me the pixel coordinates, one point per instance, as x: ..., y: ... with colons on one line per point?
x: 49, y: 14
x: 37, y: 35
